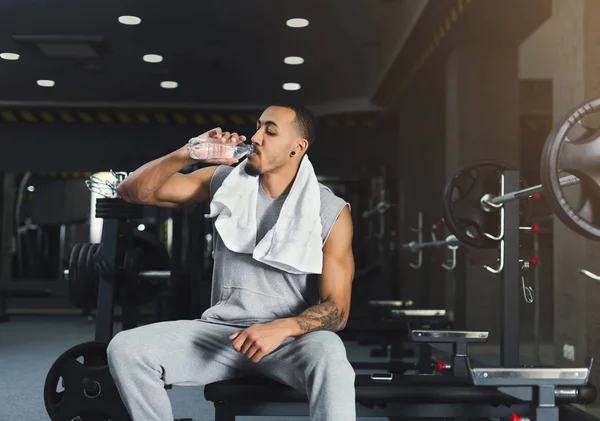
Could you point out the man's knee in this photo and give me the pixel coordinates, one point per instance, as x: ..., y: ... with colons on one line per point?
x: 327, y: 347
x: 121, y: 350
x: 327, y: 359
x: 324, y: 341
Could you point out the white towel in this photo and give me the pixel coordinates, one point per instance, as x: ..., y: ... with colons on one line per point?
x: 294, y: 244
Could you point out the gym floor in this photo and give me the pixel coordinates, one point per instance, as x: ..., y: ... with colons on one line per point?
x: 30, y: 345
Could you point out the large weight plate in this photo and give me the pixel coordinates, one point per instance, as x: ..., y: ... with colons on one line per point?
x: 92, y: 280
x: 573, y: 147
x: 79, y: 384
x: 83, y: 276
x: 140, y: 290
x: 74, y: 293
x: 464, y: 214
x: 149, y: 253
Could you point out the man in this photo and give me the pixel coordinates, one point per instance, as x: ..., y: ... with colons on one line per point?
x: 263, y: 320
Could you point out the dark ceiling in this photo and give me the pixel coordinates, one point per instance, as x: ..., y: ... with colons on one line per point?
x: 223, y: 53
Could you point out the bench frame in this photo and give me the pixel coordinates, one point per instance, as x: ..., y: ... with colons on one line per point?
x: 228, y: 412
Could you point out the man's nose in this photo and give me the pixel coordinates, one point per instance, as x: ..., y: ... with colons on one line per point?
x: 257, y: 139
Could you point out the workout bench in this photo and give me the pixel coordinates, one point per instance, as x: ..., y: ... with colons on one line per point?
x: 486, y: 392
x: 400, y: 396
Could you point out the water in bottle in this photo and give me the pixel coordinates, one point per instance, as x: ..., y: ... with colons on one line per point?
x: 204, y: 148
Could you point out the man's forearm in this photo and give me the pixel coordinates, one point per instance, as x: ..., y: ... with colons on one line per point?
x: 325, y: 316
x: 149, y: 177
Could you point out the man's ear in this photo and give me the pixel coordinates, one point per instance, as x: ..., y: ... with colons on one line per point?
x: 301, y: 147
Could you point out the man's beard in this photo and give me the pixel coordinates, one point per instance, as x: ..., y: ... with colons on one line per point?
x: 251, y: 170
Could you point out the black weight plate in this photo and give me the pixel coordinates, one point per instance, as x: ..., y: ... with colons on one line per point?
x: 87, y: 282
x: 90, y: 283
x: 74, y: 294
x: 140, y: 290
x: 573, y: 148
x: 65, y: 396
x: 154, y: 257
x: 96, y: 277
x: 464, y: 214
x: 82, y: 274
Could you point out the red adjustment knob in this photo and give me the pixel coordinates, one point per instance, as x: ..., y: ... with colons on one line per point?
x: 536, y: 196
x: 440, y: 224
x: 472, y: 260
x: 535, y: 228
x: 436, y: 261
x: 533, y: 261
x: 441, y: 366
x: 515, y: 417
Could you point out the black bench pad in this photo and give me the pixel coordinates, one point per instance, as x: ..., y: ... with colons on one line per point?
x: 402, y: 389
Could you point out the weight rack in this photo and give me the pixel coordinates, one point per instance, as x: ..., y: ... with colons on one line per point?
x: 458, y: 270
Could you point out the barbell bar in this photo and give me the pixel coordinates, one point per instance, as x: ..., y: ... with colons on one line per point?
x: 569, y: 180
x: 449, y: 241
x: 572, y: 147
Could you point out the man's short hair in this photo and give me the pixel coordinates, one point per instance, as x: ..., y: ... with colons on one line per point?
x: 305, y: 121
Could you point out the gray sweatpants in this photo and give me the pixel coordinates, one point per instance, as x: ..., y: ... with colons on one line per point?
x: 192, y: 353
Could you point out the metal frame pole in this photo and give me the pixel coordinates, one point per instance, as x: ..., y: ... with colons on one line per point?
x: 510, y: 277
x: 106, y: 286
x: 460, y: 287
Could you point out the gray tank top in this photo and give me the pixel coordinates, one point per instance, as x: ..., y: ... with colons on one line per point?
x: 247, y: 292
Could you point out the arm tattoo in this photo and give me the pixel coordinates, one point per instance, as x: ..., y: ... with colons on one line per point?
x: 325, y: 316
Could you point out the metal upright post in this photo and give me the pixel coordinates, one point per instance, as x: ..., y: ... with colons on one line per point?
x: 536, y: 298
x: 460, y: 287
x: 106, y: 285
x: 510, y: 276
x: 117, y: 237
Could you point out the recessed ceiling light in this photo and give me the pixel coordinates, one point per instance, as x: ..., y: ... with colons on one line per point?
x: 297, y: 23
x: 291, y: 86
x: 153, y: 58
x: 169, y: 84
x: 293, y: 60
x: 10, y: 56
x: 46, y: 83
x: 130, y: 20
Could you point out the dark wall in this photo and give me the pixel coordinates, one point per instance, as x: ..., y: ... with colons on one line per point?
x: 340, y: 150
x: 422, y: 171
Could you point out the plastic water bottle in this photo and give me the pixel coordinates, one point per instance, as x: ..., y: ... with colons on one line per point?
x: 204, y: 148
